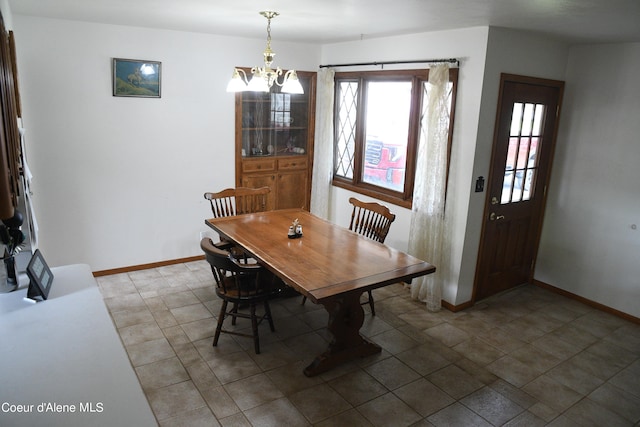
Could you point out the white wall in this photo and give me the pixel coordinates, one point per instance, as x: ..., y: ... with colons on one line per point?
x: 119, y: 181
x: 588, y: 245
x: 512, y: 52
x: 469, y: 46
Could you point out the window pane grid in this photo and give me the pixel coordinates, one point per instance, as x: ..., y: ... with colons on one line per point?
x: 524, y: 142
x: 346, y: 129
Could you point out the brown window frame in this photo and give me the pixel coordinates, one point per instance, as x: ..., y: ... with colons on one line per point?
x: 417, y: 77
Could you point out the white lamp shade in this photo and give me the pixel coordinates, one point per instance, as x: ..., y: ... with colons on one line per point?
x: 292, y: 84
x: 236, y: 84
x: 258, y: 84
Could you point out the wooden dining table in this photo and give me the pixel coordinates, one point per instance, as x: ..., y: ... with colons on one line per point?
x: 328, y: 264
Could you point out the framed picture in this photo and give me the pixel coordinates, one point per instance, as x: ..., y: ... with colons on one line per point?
x: 136, y: 77
x: 40, y: 277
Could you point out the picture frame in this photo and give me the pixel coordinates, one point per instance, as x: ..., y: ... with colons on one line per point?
x: 40, y: 277
x: 136, y: 78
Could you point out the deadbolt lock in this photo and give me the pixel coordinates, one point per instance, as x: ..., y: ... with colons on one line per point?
x: 494, y: 200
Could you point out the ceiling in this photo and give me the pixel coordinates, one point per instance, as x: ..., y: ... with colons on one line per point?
x: 328, y: 21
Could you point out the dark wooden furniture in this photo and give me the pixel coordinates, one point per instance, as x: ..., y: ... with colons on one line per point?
x: 330, y: 265
x: 371, y: 220
x: 274, y: 142
x: 237, y: 201
x: 239, y: 284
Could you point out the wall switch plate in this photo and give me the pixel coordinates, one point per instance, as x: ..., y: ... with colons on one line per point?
x: 480, y: 184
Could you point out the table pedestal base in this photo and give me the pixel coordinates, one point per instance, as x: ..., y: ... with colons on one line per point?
x: 346, y: 316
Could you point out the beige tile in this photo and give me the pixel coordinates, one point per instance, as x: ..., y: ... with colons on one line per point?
x: 187, y: 353
x: 131, y: 317
x: 627, y: 337
x: 590, y: 413
x: 424, y: 359
x: 457, y: 415
x: 392, y: 373
x: 180, y: 299
x: 290, y: 379
x: 200, y: 417
x: 161, y: 374
x: 150, y: 351
x: 537, y: 360
x: 233, y: 367
x: 424, y: 397
x: 319, y: 402
x: 513, y: 393
x: 455, y: 382
x: 350, y: 418
x: 617, y: 400
x: 526, y: 419
x: 201, y: 375
x: 253, y: 391
x: 200, y: 329
x: 125, y: 302
x: 394, y: 341
x: 357, y: 387
x: 480, y: 356
x: 552, y: 393
x: 389, y: 410
x: 164, y: 318
x: 221, y: 404
x: 575, y: 378
x: 169, y: 401
x: 512, y: 371
x: 139, y: 333
x: 276, y: 414
x: 478, y: 351
x: 502, y: 340
x: 492, y: 406
x: 237, y: 420
x: 448, y: 334
x: 629, y: 379
x: 190, y: 313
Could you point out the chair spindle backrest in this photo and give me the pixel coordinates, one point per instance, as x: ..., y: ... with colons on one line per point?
x: 370, y: 219
x: 237, y: 201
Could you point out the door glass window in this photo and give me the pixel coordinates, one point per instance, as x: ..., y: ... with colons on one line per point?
x: 522, y: 161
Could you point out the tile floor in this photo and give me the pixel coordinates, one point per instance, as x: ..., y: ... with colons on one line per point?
x: 527, y: 357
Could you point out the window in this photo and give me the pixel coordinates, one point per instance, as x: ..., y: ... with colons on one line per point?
x: 377, y: 124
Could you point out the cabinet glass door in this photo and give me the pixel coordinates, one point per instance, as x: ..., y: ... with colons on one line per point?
x: 275, y: 123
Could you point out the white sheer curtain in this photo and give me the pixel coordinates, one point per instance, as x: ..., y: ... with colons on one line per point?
x: 323, y: 146
x: 429, y: 232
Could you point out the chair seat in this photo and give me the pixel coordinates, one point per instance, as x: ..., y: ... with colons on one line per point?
x: 231, y: 292
x: 240, y: 284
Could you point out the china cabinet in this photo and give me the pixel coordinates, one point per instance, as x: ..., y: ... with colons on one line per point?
x: 274, y: 142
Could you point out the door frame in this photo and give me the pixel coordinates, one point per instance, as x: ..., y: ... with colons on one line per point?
x: 519, y: 79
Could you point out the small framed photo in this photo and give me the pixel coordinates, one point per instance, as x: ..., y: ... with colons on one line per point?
x: 136, y: 77
x: 40, y: 277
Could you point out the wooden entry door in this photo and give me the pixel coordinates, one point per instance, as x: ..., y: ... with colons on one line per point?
x: 524, y: 139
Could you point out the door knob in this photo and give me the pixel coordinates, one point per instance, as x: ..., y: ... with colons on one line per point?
x: 493, y: 217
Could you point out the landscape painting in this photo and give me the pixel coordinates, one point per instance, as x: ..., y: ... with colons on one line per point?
x: 134, y: 77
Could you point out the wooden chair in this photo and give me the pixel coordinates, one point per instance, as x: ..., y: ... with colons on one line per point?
x: 236, y: 283
x: 237, y: 201
x: 371, y: 220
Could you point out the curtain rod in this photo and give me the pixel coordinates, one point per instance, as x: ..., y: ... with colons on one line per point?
x: 418, y: 61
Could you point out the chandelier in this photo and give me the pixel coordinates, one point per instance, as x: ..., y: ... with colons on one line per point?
x: 264, y: 77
